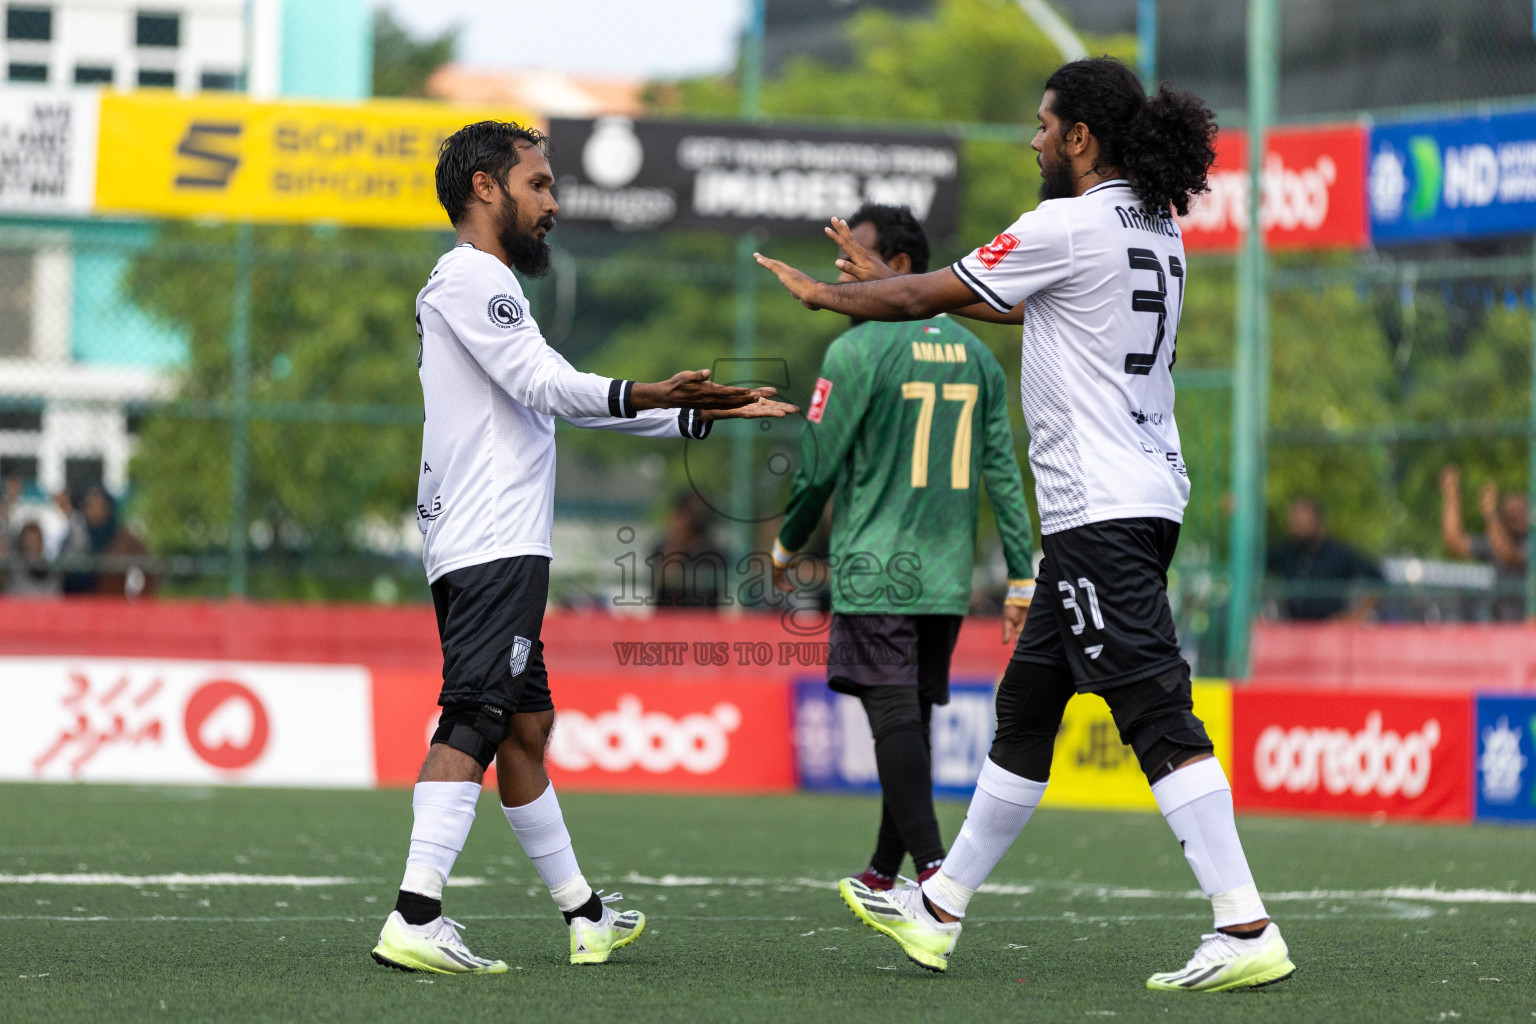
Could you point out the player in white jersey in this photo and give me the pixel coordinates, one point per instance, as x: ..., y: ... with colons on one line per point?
x: 492, y: 388
x: 1096, y: 277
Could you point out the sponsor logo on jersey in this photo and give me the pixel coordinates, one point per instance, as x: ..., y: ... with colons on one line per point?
x: 504, y: 311
x: 819, y: 400
x: 993, y: 252
x: 520, y: 648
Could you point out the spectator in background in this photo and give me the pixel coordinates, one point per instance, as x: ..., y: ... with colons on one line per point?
x: 98, y: 548
x: 27, y: 572
x: 1501, y: 544
x: 1320, y: 566
x: 688, y: 570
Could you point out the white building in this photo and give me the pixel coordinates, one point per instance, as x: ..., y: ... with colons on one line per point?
x: 77, y: 358
x: 186, y: 45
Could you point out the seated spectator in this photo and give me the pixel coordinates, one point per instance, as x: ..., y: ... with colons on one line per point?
x: 27, y: 572
x: 1312, y: 559
x: 1501, y: 544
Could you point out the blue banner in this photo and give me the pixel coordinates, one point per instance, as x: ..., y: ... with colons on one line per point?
x: 1453, y: 178
x: 835, y: 752
x: 1506, y: 759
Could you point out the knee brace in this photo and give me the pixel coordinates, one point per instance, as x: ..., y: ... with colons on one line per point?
x: 1030, y: 702
x: 1157, y: 721
x: 474, y: 729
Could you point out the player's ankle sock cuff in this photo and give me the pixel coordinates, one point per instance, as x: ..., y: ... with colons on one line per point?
x: 947, y: 894
x: 592, y: 910
x: 418, y: 909
x: 573, y: 895
x: 1237, y: 907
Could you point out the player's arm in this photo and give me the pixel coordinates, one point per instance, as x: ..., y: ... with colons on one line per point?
x: 689, y: 424
x: 842, y: 397
x: 1005, y: 488
x: 862, y: 265
x: 1035, y: 253
x: 907, y: 297
x: 487, y: 313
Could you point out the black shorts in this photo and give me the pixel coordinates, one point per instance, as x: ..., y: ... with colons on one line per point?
x: 892, y: 650
x: 488, y: 619
x: 1106, y: 588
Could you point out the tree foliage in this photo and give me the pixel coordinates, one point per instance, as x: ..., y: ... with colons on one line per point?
x: 401, y: 62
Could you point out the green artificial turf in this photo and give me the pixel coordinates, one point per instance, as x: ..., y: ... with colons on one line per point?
x: 747, y: 927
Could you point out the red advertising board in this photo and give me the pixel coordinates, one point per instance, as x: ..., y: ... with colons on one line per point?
x: 1402, y: 755
x: 653, y: 734
x: 1314, y: 191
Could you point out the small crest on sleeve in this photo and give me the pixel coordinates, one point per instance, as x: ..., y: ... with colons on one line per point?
x: 993, y: 252
x: 819, y: 400
x: 504, y: 311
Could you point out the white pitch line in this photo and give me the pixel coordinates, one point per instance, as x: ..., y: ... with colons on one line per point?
x: 1421, y: 894
x: 215, y: 878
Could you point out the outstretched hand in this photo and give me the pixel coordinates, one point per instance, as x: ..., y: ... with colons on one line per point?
x: 692, y: 389
x: 857, y: 262
x: 763, y: 408
x: 801, y: 285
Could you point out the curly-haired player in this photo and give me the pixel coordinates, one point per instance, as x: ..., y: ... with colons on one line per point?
x: 1096, y: 277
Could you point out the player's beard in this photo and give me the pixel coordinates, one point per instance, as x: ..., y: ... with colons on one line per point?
x: 527, y: 252
x: 1056, y: 177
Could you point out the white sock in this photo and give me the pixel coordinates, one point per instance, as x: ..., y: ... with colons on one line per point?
x: 444, y: 812
x: 998, y: 813
x: 540, y: 827
x: 1197, y: 801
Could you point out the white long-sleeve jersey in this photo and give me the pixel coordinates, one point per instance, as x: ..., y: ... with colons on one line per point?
x: 1102, y: 280
x: 492, y: 387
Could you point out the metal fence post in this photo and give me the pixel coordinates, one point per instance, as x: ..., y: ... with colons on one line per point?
x: 1250, y: 393
x: 240, y: 410
x: 1530, y: 480
x: 747, y: 272
x: 1146, y: 43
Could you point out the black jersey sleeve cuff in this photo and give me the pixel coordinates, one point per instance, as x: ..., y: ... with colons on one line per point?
x: 620, y: 401
x: 692, y: 424
x: 984, y: 293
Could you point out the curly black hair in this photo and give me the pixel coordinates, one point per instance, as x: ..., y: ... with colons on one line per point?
x: 896, y: 230
x: 1163, y: 144
x: 489, y: 146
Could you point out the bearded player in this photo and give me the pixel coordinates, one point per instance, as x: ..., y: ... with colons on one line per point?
x: 1096, y: 275
x: 908, y: 420
x: 492, y: 387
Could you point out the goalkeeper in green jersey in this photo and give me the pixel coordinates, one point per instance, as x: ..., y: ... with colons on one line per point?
x: 906, y: 421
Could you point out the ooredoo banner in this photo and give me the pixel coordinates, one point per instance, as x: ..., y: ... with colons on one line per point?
x: 1401, y: 755
x: 143, y: 720
x: 654, y: 734
x: 1314, y: 191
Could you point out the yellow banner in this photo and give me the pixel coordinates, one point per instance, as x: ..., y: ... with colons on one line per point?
x: 366, y: 164
x: 1092, y: 768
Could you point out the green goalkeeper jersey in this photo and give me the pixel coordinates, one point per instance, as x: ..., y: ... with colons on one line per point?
x: 903, y: 426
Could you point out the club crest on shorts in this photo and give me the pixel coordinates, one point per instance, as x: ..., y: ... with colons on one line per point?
x: 504, y: 311
x: 520, y: 649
